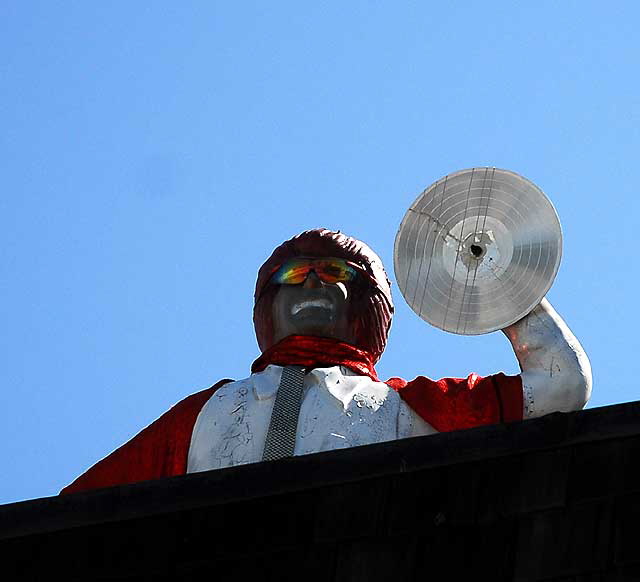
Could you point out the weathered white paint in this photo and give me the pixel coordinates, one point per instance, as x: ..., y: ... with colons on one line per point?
x: 556, y: 373
x: 339, y: 410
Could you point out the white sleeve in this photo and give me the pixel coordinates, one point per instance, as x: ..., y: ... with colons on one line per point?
x: 555, y: 371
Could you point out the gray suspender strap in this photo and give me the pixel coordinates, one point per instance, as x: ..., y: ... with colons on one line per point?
x: 281, y: 436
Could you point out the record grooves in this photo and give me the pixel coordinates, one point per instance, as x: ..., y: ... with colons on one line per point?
x: 477, y: 250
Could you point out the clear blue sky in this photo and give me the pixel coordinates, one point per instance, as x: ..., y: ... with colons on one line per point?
x: 153, y: 154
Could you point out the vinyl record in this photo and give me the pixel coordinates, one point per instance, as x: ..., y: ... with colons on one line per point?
x: 477, y: 250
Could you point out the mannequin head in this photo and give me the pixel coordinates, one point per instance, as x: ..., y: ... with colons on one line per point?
x: 357, y: 311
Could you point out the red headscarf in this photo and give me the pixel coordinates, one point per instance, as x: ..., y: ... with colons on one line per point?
x: 371, y: 307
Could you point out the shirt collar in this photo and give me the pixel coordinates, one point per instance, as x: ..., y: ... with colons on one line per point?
x: 265, y: 383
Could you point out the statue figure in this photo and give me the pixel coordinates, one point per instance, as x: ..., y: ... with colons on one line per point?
x: 322, y: 313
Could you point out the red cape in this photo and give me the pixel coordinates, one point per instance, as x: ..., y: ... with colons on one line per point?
x: 161, y: 449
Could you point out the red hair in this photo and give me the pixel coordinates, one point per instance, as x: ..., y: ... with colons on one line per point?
x: 371, y: 307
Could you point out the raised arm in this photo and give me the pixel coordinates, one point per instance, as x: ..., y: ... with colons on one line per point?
x: 555, y: 371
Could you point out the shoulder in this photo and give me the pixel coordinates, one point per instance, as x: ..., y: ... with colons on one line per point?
x: 451, y: 386
x: 458, y: 403
x: 191, y: 404
x: 157, y: 451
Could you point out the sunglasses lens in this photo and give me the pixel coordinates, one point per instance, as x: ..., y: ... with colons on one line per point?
x: 334, y: 271
x: 292, y: 272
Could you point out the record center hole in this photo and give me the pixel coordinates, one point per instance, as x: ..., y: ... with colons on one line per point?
x: 476, y: 251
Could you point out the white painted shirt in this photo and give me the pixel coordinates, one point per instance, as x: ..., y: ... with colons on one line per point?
x: 339, y: 409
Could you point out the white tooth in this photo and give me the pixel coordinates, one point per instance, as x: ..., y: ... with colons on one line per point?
x: 324, y: 303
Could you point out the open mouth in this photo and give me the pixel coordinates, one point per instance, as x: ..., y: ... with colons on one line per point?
x: 317, y: 303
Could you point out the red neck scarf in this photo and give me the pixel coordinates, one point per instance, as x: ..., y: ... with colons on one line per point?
x: 316, y: 352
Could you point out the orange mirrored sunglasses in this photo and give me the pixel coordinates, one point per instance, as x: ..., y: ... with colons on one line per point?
x: 328, y: 270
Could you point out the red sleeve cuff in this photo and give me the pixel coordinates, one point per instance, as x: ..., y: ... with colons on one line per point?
x: 509, y: 392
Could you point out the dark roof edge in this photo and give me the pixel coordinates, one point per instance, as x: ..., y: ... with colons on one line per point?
x: 165, y: 496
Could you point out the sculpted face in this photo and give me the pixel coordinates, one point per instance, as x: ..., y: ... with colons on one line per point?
x: 312, y: 308
x: 360, y: 309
